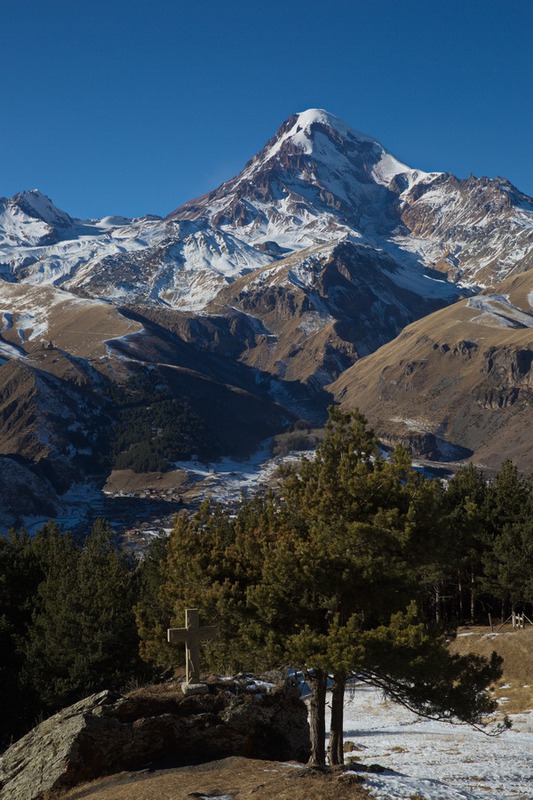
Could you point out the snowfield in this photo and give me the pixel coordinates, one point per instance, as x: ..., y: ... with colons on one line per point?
x: 498, y: 309
x: 436, y: 760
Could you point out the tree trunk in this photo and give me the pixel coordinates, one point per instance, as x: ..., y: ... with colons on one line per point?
x: 472, y: 595
x: 437, y: 603
x: 317, y: 717
x: 336, y: 734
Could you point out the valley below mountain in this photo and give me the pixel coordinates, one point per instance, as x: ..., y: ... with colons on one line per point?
x: 326, y: 271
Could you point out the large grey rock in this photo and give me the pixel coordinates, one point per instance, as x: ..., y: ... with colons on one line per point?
x: 107, y: 733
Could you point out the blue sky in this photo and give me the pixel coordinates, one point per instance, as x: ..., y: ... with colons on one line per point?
x: 133, y: 107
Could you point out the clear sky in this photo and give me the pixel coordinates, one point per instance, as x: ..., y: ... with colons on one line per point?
x: 135, y: 106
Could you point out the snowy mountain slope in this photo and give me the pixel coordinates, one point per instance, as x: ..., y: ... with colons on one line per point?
x: 316, y: 181
x: 478, y: 231
x: 181, y: 264
x: 176, y: 264
x: 30, y: 219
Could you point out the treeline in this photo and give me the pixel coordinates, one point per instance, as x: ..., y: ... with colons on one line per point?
x: 67, y: 626
x: 357, y: 565
x: 484, y: 562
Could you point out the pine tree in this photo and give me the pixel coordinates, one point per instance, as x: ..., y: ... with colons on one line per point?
x: 20, y: 575
x: 508, y: 556
x: 466, y: 501
x: 210, y: 562
x: 106, y: 586
x: 83, y: 637
x: 151, y: 614
x: 49, y: 637
x: 355, y: 533
x: 320, y: 578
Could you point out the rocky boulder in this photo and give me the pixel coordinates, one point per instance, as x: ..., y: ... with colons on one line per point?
x: 108, y: 733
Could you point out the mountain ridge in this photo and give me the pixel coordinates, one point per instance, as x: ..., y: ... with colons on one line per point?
x: 269, y: 289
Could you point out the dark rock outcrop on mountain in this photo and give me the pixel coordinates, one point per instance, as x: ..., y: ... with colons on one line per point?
x: 106, y: 733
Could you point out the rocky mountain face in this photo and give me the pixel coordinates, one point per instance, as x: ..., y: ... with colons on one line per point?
x: 476, y: 231
x: 318, y: 180
x: 249, y: 301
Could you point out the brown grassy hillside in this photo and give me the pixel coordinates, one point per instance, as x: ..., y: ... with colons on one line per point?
x: 515, y: 688
x: 457, y: 383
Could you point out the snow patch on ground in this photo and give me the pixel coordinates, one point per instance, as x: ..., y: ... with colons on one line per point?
x: 10, y: 351
x: 227, y: 480
x: 75, y: 504
x: 436, y: 760
x: 498, y: 310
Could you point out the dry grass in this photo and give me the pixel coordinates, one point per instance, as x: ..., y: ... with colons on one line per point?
x: 126, y: 480
x: 156, y: 691
x: 231, y: 778
x: 515, y: 689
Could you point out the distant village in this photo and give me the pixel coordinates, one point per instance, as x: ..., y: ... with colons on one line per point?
x: 155, y: 505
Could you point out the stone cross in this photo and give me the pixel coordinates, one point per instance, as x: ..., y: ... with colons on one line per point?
x: 191, y: 635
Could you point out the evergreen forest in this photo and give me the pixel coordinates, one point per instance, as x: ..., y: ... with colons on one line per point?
x: 356, y: 566
x: 153, y: 428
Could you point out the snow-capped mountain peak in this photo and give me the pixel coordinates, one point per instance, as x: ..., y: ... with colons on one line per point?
x: 315, y: 183
x: 305, y: 119
x: 36, y: 204
x: 300, y: 130
x: 316, y: 179
x: 327, y: 139
x: 30, y: 218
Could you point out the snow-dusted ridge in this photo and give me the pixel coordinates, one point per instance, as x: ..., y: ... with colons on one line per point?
x: 498, y: 310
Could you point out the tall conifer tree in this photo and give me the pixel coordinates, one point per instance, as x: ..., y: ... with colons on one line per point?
x: 320, y: 578
x: 83, y: 637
